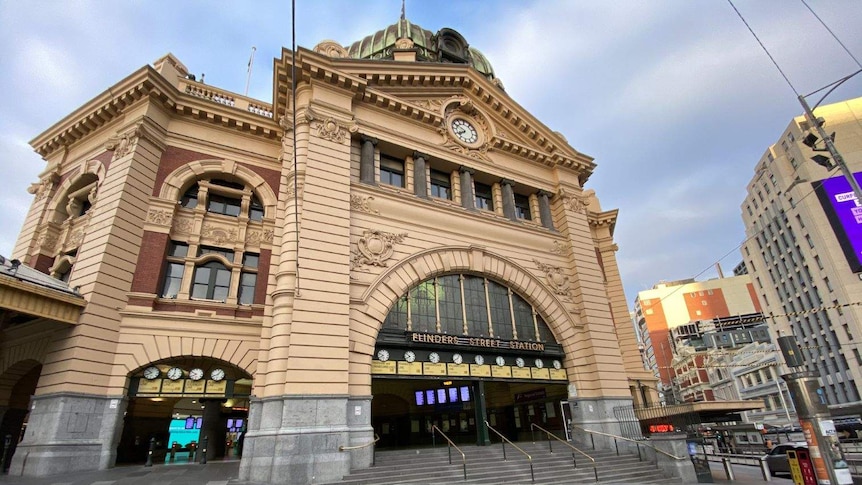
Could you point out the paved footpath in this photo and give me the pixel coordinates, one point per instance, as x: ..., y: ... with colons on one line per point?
x: 225, y: 473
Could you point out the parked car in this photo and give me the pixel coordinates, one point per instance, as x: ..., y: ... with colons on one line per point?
x: 777, y: 456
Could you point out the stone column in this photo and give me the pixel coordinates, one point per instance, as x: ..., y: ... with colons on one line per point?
x: 681, y: 466
x: 468, y: 200
x: 420, y: 184
x: 545, y: 209
x: 366, y: 160
x: 508, y: 199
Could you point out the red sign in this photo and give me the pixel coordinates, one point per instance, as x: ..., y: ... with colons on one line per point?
x: 661, y: 428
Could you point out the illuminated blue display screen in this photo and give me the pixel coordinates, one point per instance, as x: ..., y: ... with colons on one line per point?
x: 442, y: 396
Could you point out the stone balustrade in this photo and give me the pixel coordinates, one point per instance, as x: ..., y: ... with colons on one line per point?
x: 204, y: 91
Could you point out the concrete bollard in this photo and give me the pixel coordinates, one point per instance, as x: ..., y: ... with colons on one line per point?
x: 728, y: 468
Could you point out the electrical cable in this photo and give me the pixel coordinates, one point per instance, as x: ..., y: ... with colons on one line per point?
x: 831, y: 32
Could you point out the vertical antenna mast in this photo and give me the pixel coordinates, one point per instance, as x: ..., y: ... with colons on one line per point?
x: 250, y: 64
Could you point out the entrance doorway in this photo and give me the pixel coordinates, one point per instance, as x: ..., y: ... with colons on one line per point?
x: 181, y: 408
x: 403, y: 411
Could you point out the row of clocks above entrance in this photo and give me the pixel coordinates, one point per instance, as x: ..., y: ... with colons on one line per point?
x: 385, y: 355
x: 176, y: 373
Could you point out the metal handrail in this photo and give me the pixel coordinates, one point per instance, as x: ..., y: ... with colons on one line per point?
x: 548, y: 434
x: 638, y: 443
x: 363, y: 445
x: 506, y: 440
x: 449, y: 447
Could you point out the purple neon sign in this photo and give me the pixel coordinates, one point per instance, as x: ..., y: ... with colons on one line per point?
x: 845, y: 215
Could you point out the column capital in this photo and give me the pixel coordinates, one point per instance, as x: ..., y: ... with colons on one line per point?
x: 464, y: 169
x: 507, y: 182
x: 366, y: 138
x: 545, y: 193
x: 421, y: 155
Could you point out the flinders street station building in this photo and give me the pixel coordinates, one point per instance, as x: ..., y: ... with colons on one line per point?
x: 389, y: 246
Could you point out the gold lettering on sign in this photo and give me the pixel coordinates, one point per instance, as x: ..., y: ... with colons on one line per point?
x: 430, y: 369
x: 504, y: 371
x: 410, y: 368
x: 558, y: 374
x: 216, y: 387
x: 521, y: 373
x: 378, y: 367
x: 172, y: 386
x: 458, y: 370
x: 430, y: 338
x: 480, y: 370
x: 195, y: 387
x: 518, y: 345
x: 148, y: 387
x: 540, y: 373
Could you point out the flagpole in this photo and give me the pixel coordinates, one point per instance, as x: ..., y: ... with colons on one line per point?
x: 250, y: 63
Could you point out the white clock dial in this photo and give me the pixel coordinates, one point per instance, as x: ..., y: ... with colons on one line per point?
x: 539, y: 363
x: 196, y: 374
x: 464, y: 131
x: 217, y: 374
x: 175, y: 373
x: 501, y: 361
x: 519, y: 362
x: 457, y: 358
x: 557, y: 364
x: 152, y: 372
x: 409, y: 356
x: 479, y: 360
x: 383, y: 355
x: 434, y: 357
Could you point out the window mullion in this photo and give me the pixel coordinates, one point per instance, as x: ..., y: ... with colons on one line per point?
x: 409, y: 316
x: 437, y: 305
x: 488, y: 308
x: 463, y: 305
x: 535, y: 326
x: 512, y: 314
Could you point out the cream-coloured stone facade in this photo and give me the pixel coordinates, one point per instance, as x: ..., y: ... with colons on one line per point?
x: 212, y: 232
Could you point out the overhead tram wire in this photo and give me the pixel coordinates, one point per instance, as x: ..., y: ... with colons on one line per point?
x: 832, y: 33
x: 786, y: 79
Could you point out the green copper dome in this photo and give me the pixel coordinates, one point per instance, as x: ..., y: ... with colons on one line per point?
x: 447, y: 46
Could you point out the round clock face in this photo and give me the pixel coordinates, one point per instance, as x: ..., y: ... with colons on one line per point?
x: 557, y: 364
x: 519, y: 362
x: 196, y: 374
x: 152, y: 372
x: 539, y: 363
x: 409, y: 356
x: 217, y: 374
x: 434, y: 357
x: 479, y: 360
x: 175, y: 373
x: 457, y: 358
x: 464, y: 131
x: 501, y: 361
x: 383, y: 355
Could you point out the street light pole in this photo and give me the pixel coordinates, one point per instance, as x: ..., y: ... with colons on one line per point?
x: 830, y: 146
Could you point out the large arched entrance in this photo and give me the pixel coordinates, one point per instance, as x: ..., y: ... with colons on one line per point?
x: 18, y: 383
x: 180, y: 407
x: 457, y: 351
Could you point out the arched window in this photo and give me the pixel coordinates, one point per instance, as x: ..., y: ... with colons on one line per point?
x: 461, y: 304
x: 224, y: 197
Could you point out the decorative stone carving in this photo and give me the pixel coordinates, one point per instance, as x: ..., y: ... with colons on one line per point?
x: 44, y: 187
x: 404, y: 43
x: 575, y: 202
x: 431, y: 104
x: 159, y: 217
x: 329, y: 128
x: 465, y: 106
x: 257, y: 237
x: 555, y: 277
x: 219, y: 234
x: 332, y: 49
x: 183, y: 226
x: 361, y: 203
x: 76, y: 238
x: 48, y: 242
x: 374, y: 248
x: 561, y: 248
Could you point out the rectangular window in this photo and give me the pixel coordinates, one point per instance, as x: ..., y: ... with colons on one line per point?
x: 449, y: 295
x: 441, y: 185
x: 475, y: 304
x: 391, y: 171
x: 219, y: 204
x: 501, y: 315
x: 173, y: 280
x: 522, y: 207
x: 484, y: 197
x: 247, y: 284
x: 255, y: 210
x: 793, y: 162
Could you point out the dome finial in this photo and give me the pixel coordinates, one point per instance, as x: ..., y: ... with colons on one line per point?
x: 403, y: 8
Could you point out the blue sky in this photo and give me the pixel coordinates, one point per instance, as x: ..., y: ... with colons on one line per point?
x: 673, y: 98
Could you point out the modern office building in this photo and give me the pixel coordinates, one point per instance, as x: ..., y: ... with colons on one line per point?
x: 803, y: 248
x: 672, y: 304
x: 391, y: 244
